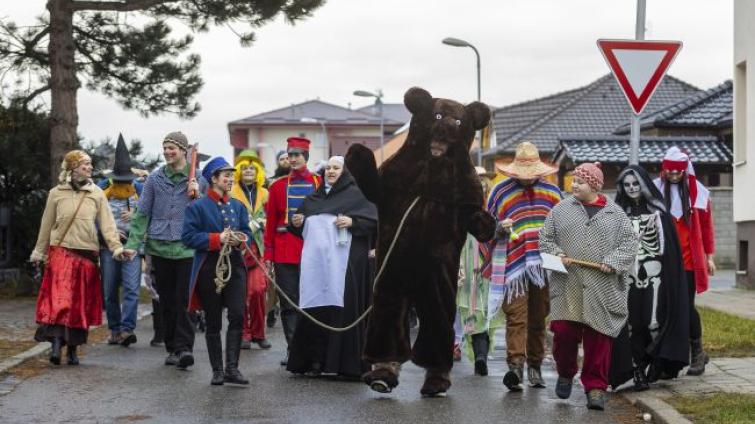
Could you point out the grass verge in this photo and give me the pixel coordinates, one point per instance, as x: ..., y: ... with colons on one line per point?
x: 721, y: 408
x: 726, y: 335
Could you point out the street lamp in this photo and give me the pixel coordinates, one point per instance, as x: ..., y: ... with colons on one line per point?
x: 455, y: 42
x: 379, y: 103
x: 325, y: 144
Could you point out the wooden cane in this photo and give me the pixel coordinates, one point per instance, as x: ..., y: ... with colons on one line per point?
x: 588, y: 264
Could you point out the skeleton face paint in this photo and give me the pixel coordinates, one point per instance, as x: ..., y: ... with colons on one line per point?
x: 632, y: 186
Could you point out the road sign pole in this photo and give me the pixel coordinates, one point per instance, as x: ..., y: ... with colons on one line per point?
x: 634, y: 137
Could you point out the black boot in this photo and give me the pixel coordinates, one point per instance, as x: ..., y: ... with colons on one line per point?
x: 72, y: 358
x: 215, y: 350
x: 699, y: 358
x: 232, y: 352
x: 480, y: 346
x: 640, y: 379
x: 55, y: 351
x: 288, y: 322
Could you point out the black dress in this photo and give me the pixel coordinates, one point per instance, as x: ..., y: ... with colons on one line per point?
x: 313, y: 347
x: 656, y: 336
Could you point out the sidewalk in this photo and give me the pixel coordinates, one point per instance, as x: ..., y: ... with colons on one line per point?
x: 722, y: 375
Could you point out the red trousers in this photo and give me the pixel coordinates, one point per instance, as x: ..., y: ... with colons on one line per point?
x: 254, y: 314
x: 597, y: 350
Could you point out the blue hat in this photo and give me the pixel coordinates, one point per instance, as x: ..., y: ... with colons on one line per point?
x: 216, y: 164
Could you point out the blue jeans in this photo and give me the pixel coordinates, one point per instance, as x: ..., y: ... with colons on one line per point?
x: 115, y: 274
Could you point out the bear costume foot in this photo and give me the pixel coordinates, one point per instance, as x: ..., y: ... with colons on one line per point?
x: 384, y: 376
x: 436, y: 384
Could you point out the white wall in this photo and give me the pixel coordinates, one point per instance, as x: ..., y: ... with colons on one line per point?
x: 744, y: 110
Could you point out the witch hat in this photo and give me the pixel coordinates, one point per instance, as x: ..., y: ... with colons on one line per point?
x: 122, y: 166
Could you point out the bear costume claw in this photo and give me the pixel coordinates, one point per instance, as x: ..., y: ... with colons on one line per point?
x: 383, y: 378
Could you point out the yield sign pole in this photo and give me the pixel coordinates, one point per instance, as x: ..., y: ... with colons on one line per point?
x: 634, y: 136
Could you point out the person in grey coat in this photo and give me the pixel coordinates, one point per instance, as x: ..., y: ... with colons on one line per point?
x: 589, y: 303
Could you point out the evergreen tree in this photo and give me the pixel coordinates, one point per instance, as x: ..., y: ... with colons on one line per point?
x: 124, y: 50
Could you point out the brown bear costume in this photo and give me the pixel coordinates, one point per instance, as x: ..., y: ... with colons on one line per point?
x: 434, y: 165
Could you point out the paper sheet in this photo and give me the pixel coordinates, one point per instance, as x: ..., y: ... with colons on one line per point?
x: 553, y: 263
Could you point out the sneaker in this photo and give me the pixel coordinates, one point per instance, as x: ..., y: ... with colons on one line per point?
x: 128, y: 338
x: 596, y: 399
x: 284, y: 361
x: 563, y: 387
x: 535, y: 377
x: 513, y: 378
x: 172, y: 359
x: 262, y: 343
x: 156, y: 342
x: 185, y: 360
x: 246, y: 344
x: 115, y: 338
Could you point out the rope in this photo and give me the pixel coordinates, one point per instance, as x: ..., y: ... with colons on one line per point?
x: 220, y: 271
x: 223, y: 265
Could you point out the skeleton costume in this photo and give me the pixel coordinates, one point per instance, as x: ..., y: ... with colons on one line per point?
x: 654, y: 344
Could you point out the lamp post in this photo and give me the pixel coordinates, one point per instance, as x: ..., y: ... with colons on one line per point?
x: 379, y: 103
x: 455, y: 42
x: 325, y: 144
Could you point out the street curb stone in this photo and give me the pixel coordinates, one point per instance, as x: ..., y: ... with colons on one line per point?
x: 662, y: 412
x: 42, y: 348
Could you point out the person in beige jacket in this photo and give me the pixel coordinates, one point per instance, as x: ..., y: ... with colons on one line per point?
x: 70, y: 297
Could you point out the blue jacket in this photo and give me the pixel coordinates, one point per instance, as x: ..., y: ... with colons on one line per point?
x: 164, y: 202
x: 203, y: 222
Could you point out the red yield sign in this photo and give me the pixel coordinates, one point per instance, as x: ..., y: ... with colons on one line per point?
x: 639, y: 66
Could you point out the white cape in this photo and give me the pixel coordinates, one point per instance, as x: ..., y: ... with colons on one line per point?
x: 323, y: 263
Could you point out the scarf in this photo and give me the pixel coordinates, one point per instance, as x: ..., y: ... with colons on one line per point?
x: 511, y: 262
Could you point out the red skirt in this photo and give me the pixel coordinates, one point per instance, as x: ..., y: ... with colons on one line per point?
x: 71, y: 291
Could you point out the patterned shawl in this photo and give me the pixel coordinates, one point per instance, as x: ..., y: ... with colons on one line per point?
x: 512, y: 261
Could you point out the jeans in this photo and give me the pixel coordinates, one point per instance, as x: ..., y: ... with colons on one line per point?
x: 525, y: 326
x: 115, y: 275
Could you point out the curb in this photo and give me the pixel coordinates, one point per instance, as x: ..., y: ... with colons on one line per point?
x: 661, y: 412
x: 43, y: 347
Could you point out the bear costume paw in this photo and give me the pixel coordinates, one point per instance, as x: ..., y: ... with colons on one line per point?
x: 436, y: 384
x: 384, y: 376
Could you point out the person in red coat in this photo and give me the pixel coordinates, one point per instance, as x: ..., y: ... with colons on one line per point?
x: 283, y: 249
x: 688, y: 200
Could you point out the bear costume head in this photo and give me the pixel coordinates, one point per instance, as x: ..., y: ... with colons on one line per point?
x: 434, y: 161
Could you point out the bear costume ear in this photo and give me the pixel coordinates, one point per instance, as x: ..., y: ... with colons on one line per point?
x: 479, y: 115
x: 417, y: 100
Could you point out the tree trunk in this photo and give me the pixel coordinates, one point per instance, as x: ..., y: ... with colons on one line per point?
x: 64, y: 116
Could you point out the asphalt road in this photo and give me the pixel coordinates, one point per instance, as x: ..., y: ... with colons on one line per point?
x: 121, y: 385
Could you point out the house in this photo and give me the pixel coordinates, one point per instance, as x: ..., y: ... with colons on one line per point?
x: 700, y: 124
x: 744, y: 140
x: 596, y: 109
x: 331, y: 128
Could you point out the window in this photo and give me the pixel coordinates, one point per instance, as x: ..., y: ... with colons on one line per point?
x: 742, y: 257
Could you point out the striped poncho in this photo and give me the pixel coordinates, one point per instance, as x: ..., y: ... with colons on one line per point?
x: 511, y: 261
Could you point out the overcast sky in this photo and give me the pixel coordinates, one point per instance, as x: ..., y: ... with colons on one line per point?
x: 529, y: 48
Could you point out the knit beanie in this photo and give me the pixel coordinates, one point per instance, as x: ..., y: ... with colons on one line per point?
x: 591, y: 174
x: 179, y: 139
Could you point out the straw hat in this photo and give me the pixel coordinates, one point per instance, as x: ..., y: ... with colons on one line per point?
x: 527, y: 163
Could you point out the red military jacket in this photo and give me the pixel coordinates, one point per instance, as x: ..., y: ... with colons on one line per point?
x: 284, y: 247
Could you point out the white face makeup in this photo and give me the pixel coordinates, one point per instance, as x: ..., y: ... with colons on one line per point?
x: 632, y: 186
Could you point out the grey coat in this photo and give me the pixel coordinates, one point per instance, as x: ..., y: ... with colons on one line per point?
x: 588, y: 295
